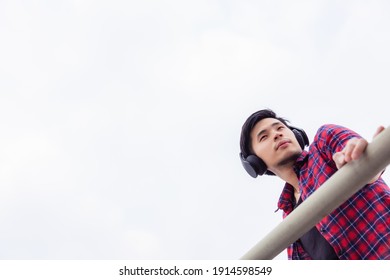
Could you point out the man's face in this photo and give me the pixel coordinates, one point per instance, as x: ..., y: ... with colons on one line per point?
x: 274, y: 143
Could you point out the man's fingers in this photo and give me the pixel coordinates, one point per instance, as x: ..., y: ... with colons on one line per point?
x: 353, y: 149
x: 348, y: 149
x: 359, y: 148
x: 338, y: 159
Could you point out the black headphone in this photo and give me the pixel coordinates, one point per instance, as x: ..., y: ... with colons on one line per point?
x: 256, y: 166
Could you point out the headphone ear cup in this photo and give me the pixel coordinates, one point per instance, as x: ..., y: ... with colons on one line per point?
x: 301, y: 136
x: 253, y: 165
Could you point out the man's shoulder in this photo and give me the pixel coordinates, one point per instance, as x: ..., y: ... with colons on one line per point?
x: 328, y: 128
x: 331, y: 130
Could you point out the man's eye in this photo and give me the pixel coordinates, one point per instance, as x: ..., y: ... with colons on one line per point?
x: 280, y: 127
x: 263, y: 137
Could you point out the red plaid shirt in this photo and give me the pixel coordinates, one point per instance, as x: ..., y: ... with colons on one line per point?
x: 360, y: 227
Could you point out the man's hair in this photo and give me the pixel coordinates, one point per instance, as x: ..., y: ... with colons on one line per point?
x: 245, y: 140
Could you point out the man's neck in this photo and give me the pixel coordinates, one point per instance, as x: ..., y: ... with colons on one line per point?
x: 288, y: 174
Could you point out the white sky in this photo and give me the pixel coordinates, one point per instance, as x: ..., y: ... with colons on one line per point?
x: 120, y: 120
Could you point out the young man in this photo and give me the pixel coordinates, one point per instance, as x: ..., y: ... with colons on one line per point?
x: 360, y: 227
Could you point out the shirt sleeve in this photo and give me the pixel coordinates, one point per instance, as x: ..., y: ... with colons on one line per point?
x: 332, y: 138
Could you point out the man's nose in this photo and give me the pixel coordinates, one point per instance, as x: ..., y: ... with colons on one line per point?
x: 278, y: 134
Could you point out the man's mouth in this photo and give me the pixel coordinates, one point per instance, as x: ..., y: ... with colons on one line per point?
x: 282, y: 143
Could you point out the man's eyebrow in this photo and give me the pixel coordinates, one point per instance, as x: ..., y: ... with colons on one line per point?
x: 265, y: 130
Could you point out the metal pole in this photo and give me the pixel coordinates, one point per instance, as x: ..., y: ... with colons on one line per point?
x: 337, y: 189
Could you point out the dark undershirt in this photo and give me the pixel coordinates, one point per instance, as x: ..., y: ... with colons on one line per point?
x: 316, y: 245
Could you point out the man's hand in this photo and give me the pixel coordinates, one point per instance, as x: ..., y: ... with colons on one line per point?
x: 353, y: 150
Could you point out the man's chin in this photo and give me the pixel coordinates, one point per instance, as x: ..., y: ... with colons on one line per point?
x: 289, y: 159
